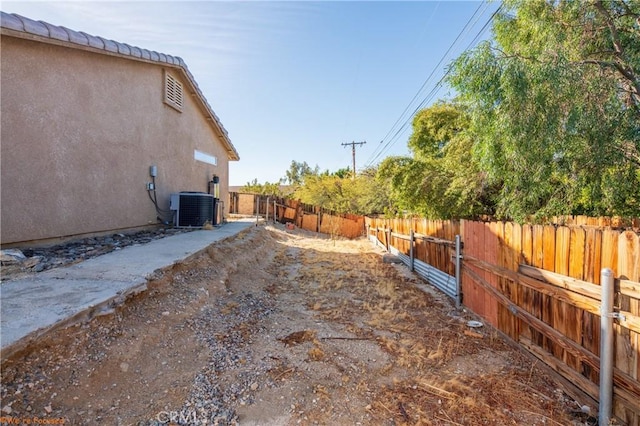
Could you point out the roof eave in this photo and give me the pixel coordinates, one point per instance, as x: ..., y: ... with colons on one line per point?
x: 14, y: 25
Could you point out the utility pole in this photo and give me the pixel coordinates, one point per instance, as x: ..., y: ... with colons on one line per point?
x: 353, y: 153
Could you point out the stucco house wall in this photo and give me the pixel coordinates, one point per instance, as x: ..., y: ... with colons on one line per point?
x: 80, y: 127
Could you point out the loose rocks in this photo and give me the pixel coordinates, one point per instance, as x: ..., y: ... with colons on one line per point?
x: 20, y: 262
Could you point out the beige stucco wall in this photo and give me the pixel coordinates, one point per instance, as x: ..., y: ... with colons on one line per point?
x: 79, y: 132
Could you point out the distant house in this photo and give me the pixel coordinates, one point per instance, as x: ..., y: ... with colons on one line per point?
x: 83, y: 120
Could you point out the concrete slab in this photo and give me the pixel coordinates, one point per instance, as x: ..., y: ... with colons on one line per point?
x: 32, y: 306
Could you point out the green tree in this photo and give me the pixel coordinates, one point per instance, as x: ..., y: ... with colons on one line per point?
x: 554, y: 107
x: 299, y: 171
x: 433, y: 128
x: 441, y: 179
x: 343, y: 173
x: 266, y: 188
x: 364, y: 195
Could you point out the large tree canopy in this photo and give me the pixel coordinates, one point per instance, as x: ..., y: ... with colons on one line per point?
x: 441, y: 179
x: 554, y: 106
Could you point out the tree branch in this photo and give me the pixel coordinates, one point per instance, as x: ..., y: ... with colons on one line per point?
x: 626, y: 71
x: 612, y: 27
x: 629, y: 153
x: 515, y: 55
x: 628, y: 11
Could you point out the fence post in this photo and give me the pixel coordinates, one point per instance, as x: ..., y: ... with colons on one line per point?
x: 257, y: 203
x: 267, y: 208
x: 606, y: 347
x: 411, y: 254
x: 275, y: 211
x: 458, y: 260
x: 388, y: 239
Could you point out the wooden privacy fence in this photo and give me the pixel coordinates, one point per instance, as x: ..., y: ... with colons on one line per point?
x: 305, y: 216
x: 427, y: 247
x: 540, y: 285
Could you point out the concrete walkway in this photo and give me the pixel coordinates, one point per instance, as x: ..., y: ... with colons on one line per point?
x: 32, y: 306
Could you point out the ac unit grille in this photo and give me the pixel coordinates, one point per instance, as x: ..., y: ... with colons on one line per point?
x: 193, y: 209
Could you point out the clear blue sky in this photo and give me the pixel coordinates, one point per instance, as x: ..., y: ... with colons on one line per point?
x: 295, y: 80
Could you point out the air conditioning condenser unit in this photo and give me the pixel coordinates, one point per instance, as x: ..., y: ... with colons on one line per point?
x: 193, y: 209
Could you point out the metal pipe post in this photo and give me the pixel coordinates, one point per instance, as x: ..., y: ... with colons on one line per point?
x: 458, y: 260
x: 411, y: 255
x: 606, y: 347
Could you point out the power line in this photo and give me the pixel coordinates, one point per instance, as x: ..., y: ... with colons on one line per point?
x: 433, y: 71
x: 436, y: 88
x: 464, y: 30
x: 378, y: 152
x: 428, y: 21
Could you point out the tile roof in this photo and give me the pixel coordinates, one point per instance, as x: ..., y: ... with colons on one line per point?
x: 17, y: 25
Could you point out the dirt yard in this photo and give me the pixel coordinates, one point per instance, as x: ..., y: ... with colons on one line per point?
x: 280, y: 327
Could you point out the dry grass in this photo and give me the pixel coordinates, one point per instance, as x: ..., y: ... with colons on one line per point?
x: 299, y: 337
x: 460, y: 400
x: 424, y: 345
x: 229, y: 307
x: 316, y: 354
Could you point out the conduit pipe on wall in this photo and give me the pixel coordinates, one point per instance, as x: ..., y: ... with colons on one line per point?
x: 606, y: 347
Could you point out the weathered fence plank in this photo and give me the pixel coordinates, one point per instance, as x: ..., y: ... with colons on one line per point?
x: 539, y: 284
x: 549, y: 276
x: 305, y: 216
x: 629, y: 268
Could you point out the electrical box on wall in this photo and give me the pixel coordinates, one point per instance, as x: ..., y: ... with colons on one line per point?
x: 193, y: 209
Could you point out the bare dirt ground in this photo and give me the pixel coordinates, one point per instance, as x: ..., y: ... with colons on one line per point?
x: 279, y: 327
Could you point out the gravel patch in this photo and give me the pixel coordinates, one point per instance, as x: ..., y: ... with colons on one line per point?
x: 17, y: 263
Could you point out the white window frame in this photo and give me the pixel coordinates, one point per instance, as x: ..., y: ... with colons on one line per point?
x: 205, y: 158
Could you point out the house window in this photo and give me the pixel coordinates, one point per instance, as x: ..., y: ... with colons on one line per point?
x: 173, y: 94
x: 205, y: 158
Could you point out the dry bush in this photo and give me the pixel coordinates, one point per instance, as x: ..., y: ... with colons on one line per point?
x: 299, y: 337
x: 316, y: 354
